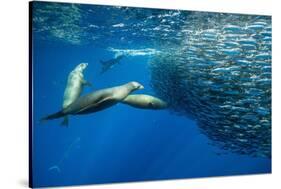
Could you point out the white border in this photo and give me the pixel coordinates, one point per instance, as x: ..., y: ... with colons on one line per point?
x: 14, y: 93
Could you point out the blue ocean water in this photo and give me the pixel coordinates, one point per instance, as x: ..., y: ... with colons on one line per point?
x: 121, y: 143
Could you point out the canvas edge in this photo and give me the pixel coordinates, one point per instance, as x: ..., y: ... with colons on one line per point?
x: 30, y: 75
x: 30, y: 96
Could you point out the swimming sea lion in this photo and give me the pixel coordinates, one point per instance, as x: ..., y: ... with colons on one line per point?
x: 106, y: 65
x: 74, y: 87
x: 97, y: 100
x: 145, y: 102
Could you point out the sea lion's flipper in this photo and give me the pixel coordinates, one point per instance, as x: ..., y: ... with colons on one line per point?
x: 97, y: 104
x: 65, y: 121
x: 87, y: 83
x: 104, y: 68
x: 86, y: 107
x: 53, y: 116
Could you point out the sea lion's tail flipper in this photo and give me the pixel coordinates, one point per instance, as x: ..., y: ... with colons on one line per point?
x: 53, y: 116
x: 65, y: 121
x: 103, y: 69
x: 55, y: 168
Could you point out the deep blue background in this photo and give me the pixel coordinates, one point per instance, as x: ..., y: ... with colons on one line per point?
x: 119, y: 144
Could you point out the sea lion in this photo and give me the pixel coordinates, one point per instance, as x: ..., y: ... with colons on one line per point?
x: 74, y: 87
x: 145, y: 102
x: 106, y: 65
x: 97, y: 100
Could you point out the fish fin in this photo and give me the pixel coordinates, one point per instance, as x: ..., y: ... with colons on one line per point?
x: 64, y: 123
x: 55, y: 168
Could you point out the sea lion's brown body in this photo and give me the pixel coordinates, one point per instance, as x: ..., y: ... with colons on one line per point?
x: 144, y: 102
x: 74, y: 87
x: 97, y: 100
x: 75, y: 84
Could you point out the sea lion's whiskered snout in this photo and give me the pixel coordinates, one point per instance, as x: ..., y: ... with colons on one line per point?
x: 82, y: 66
x: 141, y: 87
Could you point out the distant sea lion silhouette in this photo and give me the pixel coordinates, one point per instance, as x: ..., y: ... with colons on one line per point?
x: 97, y: 100
x: 106, y: 65
x: 145, y: 102
x: 74, y: 87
